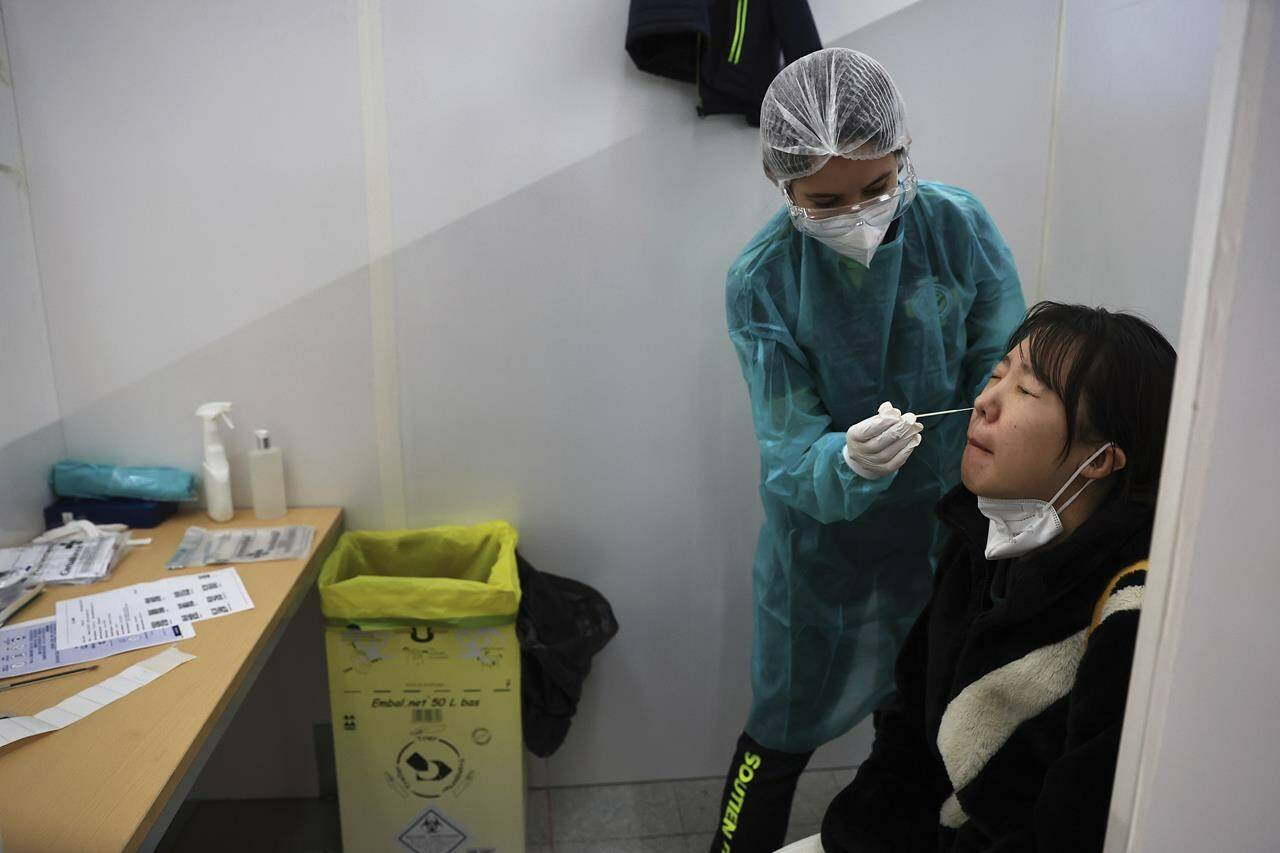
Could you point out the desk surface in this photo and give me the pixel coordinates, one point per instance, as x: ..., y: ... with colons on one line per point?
x: 102, y: 783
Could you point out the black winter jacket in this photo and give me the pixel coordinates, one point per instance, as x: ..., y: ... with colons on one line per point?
x: 1011, y: 687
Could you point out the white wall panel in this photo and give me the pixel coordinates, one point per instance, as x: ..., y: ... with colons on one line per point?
x: 30, y: 436
x: 192, y: 167
x: 1132, y: 105
x: 484, y: 99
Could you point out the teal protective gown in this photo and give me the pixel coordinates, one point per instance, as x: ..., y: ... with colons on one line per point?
x: 843, y: 564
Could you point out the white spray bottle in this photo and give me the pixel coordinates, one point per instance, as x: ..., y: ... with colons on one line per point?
x: 217, y: 473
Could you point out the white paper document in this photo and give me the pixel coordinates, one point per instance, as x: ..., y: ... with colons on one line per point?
x: 64, y: 561
x: 148, y: 606
x: 32, y: 646
x: 91, y: 699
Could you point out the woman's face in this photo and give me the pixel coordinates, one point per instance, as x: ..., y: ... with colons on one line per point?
x: 1016, y: 435
x: 843, y: 182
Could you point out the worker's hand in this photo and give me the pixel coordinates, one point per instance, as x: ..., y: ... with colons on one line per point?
x: 881, y: 444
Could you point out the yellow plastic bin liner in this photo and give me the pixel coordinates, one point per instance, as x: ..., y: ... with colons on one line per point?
x: 464, y: 576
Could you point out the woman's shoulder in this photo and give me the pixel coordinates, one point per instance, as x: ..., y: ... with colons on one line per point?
x: 1123, y: 594
x: 939, y: 200
x: 770, y: 247
x: 759, y: 275
x: 1102, y: 680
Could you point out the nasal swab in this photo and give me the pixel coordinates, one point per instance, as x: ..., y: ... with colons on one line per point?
x: 949, y: 411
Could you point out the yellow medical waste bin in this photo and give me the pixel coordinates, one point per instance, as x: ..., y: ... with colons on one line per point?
x: 424, y: 683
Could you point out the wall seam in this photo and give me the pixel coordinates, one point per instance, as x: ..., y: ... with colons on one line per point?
x: 1050, y: 167
x: 386, y: 368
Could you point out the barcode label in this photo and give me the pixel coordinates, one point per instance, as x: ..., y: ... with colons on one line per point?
x: 160, y: 623
x: 181, y: 593
x: 427, y: 715
x: 190, y: 617
x: 220, y: 609
x: 151, y: 599
x: 208, y: 586
x: 218, y: 597
x: 183, y: 605
x: 155, y: 611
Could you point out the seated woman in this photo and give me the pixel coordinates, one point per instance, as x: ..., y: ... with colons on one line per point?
x: 1011, y: 685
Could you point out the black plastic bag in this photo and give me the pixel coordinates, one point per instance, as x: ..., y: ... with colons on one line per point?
x: 561, y: 625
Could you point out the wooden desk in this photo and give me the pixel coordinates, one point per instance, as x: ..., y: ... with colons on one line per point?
x: 114, y: 780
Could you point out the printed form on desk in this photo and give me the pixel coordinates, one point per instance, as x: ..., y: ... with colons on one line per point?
x: 29, y: 647
x: 149, y: 606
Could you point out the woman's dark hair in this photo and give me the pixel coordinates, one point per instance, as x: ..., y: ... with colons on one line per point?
x: 1114, y: 373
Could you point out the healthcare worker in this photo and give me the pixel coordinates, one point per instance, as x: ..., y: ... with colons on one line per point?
x: 868, y: 296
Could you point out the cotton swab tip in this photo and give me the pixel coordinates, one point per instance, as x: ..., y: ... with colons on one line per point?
x: 945, y: 412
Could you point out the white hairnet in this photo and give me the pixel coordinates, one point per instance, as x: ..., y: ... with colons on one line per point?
x: 832, y: 103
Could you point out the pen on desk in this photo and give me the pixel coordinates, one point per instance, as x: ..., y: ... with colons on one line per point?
x: 50, y: 677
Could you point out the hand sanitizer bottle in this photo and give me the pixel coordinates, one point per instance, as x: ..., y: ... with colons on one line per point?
x: 266, y: 478
x: 217, y: 474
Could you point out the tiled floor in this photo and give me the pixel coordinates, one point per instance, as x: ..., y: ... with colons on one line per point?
x: 656, y: 817
x: 650, y: 817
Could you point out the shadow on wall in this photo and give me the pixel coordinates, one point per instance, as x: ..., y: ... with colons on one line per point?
x: 24, y: 473
x: 304, y: 372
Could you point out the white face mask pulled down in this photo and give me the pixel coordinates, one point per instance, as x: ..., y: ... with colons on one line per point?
x: 854, y: 235
x: 1021, y: 525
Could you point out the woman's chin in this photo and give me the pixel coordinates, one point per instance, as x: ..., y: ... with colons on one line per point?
x: 975, y: 472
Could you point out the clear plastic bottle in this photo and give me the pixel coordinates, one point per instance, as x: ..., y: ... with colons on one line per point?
x: 266, y: 478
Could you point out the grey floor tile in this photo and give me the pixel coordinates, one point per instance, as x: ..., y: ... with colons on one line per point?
x: 668, y: 844
x: 605, y: 812
x: 698, y: 843
x: 814, y: 793
x: 699, y: 803
x: 537, y: 825
x: 538, y: 848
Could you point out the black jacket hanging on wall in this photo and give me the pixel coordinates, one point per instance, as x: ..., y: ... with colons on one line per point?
x: 732, y: 49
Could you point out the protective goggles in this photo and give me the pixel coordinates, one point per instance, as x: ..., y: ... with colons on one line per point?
x: 870, y: 210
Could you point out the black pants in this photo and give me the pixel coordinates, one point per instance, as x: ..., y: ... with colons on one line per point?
x: 757, y: 798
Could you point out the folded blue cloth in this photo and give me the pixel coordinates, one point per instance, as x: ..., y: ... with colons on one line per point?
x: 83, y: 480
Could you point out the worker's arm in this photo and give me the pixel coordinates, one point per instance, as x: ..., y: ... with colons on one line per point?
x: 802, y: 453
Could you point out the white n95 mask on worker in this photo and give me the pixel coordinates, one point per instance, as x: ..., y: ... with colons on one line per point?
x: 854, y: 235
x: 1021, y: 525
